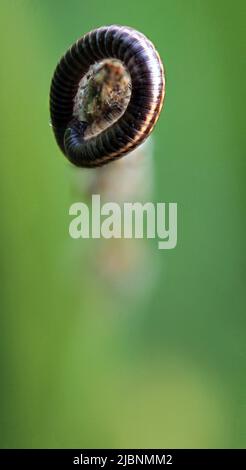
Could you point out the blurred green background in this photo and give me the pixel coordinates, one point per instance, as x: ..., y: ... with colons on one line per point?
x: 84, y: 364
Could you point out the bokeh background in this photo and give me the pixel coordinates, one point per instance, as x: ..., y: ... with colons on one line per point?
x: 86, y: 363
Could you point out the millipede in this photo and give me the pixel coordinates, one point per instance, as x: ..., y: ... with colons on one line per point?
x: 106, y: 95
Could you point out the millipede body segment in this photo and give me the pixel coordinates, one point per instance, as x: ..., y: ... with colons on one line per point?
x: 88, y: 59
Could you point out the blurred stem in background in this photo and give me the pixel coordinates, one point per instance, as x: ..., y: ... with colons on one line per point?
x: 102, y: 97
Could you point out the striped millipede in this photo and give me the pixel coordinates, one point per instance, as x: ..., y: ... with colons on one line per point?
x: 141, y: 61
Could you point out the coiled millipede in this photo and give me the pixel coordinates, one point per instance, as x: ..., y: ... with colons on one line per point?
x: 106, y: 95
